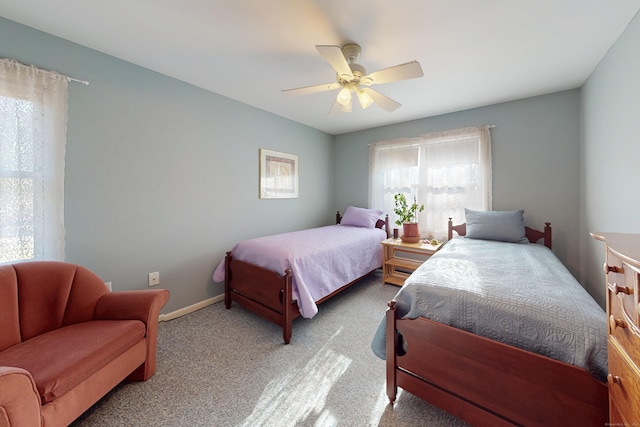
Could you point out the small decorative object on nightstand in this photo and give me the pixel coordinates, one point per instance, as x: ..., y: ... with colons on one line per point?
x: 395, y: 267
x: 407, y: 217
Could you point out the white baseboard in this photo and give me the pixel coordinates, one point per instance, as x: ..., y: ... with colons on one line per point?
x: 190, y: 309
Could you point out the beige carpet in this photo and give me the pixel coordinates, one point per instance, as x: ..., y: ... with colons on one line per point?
x: 219, y: 367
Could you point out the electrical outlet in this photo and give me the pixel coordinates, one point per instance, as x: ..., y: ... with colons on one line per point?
x: 109, y: 285
x: 154, y: 278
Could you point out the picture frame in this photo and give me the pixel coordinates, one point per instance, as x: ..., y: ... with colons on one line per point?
x: 278, y: 175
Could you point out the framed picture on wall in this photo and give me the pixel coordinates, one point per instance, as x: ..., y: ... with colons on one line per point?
x: 278, y: 175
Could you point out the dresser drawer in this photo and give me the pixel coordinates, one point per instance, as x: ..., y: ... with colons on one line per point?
x: 622, y: 283
x: 621, y: 326
x: 624, y: 385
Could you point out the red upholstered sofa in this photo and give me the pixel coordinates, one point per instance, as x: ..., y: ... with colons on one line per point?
x: 65, y: 341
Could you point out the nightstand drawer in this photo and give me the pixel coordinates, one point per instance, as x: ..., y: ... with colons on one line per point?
x: 624, y: 384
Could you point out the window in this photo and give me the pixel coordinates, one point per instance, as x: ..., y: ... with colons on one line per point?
x: 33, y: 118
x: 446, y: 171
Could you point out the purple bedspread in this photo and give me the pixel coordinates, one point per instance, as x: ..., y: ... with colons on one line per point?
x: 321, y: 259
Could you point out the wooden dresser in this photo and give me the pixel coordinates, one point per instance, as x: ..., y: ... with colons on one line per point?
x: 622, y: 268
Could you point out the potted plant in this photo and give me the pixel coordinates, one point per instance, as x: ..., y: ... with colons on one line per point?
x: 408, y: 218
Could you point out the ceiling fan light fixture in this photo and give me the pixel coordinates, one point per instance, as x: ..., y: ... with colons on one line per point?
x: 344, y: 96
x: 352, y: 77
x: 365, y: 99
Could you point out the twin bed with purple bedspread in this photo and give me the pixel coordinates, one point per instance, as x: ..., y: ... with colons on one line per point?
x: 321, y: 259
x: 283, y: 276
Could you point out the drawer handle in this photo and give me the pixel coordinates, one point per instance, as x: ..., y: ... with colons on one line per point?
x: 624, y: 289
x: 612, y: 269
x: 614, y: 379
x: 616, y: 323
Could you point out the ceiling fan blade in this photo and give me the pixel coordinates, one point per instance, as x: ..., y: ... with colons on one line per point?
x: 408, y: 70
x: 382, y: 100
x: 312, y: 89
x: 337, y: 108
x: 334, y: 56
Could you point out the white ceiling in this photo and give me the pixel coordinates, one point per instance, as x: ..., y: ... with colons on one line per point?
x: 473, y: 52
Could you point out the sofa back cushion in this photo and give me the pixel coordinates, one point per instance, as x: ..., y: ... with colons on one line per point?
x: 54, y: 294
x: 9, y: 319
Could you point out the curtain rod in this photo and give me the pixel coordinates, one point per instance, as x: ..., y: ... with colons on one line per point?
x: 42, y: 70
x: 447, y: 131
x: 421, y: 137
x: 71, y: 79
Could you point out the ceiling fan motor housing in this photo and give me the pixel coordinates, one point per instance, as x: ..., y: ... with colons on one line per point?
x: 351, y: 52
x: 358, y: 72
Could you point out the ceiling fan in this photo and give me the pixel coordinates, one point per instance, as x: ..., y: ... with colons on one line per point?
x: 352, y: 78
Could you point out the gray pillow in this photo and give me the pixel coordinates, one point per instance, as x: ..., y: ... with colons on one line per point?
x: 503, y: 226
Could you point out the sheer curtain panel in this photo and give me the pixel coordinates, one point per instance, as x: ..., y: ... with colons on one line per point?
x: 445, y: 171
x: 33, y: 126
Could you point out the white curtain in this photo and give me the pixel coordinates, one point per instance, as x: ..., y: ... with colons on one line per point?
x: 33, y: 126
x: 445, y: 171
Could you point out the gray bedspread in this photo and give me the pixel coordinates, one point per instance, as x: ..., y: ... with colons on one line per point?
x: 519, y: 294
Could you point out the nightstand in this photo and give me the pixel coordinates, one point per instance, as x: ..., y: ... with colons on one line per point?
x: 395, y: 267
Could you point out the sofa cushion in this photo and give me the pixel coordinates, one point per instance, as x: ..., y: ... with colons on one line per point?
x: 54, y: 294
x: 61, y: 359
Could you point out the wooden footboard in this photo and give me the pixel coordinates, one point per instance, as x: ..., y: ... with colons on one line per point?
x: 485, y: 382
x: 265, y: 292
x: 261, y: 291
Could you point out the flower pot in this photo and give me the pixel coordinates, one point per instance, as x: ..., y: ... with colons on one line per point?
x: 411, y: 232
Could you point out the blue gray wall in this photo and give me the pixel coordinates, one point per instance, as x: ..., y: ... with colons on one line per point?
x: 610, y: 151
x: 570, y: 158
x: 535, y: 161
x: 163, y: 176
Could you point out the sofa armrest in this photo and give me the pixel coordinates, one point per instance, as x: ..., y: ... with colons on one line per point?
x: 132, y: 305
x: 19, y: 399
x: 142, y: 305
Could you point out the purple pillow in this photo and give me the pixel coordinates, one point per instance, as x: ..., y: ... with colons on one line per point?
x: 360, y: 217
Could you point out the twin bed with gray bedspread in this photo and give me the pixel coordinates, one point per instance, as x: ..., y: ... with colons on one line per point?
x: 515, y: 293
x: 494, y: 330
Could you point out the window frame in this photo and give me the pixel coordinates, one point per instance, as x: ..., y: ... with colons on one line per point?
x: 442, y: 150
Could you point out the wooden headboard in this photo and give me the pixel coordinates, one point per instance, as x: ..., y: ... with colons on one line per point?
x: 382, y: 224
x: 530, y: 233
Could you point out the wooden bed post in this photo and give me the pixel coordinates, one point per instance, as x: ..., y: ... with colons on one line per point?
x: 461, y: 229
x: 392, y: 341
x: 227, y: 280
x: 286, y: 307
x: 547, y: 234
x: 387, y: 226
